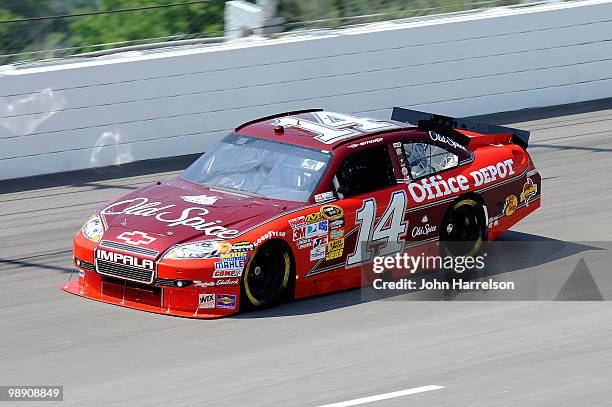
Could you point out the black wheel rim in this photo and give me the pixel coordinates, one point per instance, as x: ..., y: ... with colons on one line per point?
x: 265, y: 276
x: 464, y: 226
x: 462, y: 231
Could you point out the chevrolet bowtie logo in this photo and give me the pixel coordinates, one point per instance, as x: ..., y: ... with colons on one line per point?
x: 136, y: 238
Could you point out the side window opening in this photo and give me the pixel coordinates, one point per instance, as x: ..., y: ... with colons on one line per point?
x: 365, y: 171
x: 426, y: 159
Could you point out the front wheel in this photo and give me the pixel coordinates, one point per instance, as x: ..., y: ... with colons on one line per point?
x: 267, y: 275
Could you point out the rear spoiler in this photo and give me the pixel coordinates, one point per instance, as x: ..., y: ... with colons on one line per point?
x: 449, y: 126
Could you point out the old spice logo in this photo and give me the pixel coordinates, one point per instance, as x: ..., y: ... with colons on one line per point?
x: 423, y: 230
x: 529, y: 190
x: 438, y: 137
x: 190, y: 217
x: 125, y: 259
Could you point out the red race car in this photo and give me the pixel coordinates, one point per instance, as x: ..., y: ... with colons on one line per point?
x: 279, y: 207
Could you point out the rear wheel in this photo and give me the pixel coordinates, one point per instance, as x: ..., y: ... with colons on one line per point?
x: 463, y: 229
x: 266, y: 277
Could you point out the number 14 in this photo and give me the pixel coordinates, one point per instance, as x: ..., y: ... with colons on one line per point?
x: 387, y: 233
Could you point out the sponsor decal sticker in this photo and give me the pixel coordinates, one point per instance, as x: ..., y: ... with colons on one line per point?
x: 304, y: 243
x: 510, y: 205
x: 226, y: 301
x: 335, y: 249
x: 447, y: 140
x: 268, y: 235
x: 201, y: 199
x: 206, y: 301
x: 317, y: 229
x: 224, y: 247
x: 136, y: 238
x: 314, y: 217
x: 227, y: 273
x: 189, y: 217
x: 365, y: 143
x: 235, y: 255
x: 319, y: 241
x: 425, y: 229
x: 230, y: 262
x: 318, y: 253
x: 334, y: 254
x: 324, y: 197
x: 297, y: 222
x: 242, y: 246
x: 332, y: 212
x: 299, y: 233
x: 319, y: 245
x: 529, y: 190
x: 336, y: 244
x: 336, y: 224
x: 203, y: 284
x: 311, y: 230
x: 336, y: 233
x: 228, y: 281
x: 436, y: 186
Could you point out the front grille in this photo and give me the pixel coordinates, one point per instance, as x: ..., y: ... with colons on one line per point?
x: 84, y: 265
x: 165, y: 282
x: 125, y: 272
x: 128, y: 248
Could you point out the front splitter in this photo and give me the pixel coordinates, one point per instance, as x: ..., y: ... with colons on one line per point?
x: 73, y: 287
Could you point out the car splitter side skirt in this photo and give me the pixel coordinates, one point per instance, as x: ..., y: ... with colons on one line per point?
x: 74, y: 287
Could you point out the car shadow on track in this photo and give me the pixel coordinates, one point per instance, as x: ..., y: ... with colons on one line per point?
x: 524, y: 251
x: 95, y: 176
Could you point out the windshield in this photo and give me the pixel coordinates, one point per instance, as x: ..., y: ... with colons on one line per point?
x: 261, y: 167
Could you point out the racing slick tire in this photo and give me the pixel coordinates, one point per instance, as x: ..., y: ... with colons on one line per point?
x: 463, y: 228
x: 266, y: 279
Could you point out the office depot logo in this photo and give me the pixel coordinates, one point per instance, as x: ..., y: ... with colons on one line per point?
x: 436, y: 187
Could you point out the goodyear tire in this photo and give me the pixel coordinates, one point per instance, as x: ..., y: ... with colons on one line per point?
x: 267, y: 274
x: 463, y: 229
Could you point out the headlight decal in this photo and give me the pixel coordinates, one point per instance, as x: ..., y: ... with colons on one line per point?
x: 93, y: 229
x: 198, y: 250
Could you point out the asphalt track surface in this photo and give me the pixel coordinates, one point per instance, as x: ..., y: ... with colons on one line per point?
x: 328, y: 349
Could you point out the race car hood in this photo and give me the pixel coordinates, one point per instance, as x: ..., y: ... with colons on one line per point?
x: 178, y: 211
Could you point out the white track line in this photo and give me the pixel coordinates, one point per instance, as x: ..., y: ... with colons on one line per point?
x: 384, y: 396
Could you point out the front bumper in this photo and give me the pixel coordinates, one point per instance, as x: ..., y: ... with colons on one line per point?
x: 189, y: 302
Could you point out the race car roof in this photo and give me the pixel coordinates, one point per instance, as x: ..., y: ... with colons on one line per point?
x: 316, y: 128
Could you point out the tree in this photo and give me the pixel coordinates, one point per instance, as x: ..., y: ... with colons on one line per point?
x: 205, y: 18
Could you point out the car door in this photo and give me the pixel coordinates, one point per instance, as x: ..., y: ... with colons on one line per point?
x: 372, y: 204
